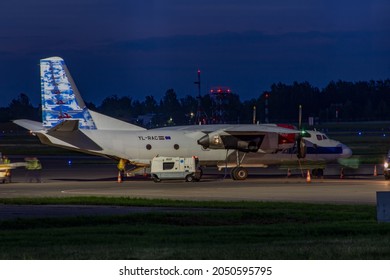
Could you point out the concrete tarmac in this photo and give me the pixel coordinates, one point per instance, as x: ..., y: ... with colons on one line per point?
x: 347, y: 191
x: 90, y: 176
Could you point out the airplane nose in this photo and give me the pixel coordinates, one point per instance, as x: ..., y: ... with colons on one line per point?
x: 347, y: 152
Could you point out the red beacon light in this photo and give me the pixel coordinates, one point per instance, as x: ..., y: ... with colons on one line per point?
x: 220, y: 90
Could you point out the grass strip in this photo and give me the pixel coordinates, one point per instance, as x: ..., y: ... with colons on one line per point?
x: 244, y: 230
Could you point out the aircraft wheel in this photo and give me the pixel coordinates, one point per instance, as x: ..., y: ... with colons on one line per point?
x: 239, y: 173
x: 156, y: 179
x: 232, y: 173
x: 189, y: 178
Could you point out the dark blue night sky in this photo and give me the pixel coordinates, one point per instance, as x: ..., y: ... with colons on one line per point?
x: 139, y: 48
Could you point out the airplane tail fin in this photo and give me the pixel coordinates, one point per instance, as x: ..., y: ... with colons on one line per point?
x: 62, y: 102
x: 61, y: 99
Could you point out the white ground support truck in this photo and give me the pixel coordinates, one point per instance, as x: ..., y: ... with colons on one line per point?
x: 168, y: 168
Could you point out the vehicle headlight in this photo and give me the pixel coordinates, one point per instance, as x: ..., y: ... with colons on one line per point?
x: 386, y: 164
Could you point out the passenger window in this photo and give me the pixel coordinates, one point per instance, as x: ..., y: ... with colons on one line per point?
x: 324, y: 137
x: 168, y: 165
x: 319, y: 137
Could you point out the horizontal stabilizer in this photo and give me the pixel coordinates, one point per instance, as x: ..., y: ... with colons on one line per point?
x: 66, y: 126
x: 29, y: 125
x: 75, y: 138
x: 68, y: 131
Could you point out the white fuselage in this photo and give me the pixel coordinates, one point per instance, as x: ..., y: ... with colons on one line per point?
x: 141, y: 146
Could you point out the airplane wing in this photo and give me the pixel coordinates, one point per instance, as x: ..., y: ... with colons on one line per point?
x: 247, y: 138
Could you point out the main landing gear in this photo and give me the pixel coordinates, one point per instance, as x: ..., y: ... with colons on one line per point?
x: 239, y: 173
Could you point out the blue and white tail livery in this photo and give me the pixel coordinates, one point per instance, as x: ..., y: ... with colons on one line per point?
x: 61, y: 99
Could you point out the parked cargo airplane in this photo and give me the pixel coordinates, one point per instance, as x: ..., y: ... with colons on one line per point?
x: 68, y: 123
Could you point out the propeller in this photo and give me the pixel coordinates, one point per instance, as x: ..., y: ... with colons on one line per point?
x: 301, y: 146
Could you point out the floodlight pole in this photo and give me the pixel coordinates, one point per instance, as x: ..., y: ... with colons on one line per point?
x: 300, y: 117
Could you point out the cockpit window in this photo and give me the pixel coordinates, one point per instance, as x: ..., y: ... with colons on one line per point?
x: 319, y: 137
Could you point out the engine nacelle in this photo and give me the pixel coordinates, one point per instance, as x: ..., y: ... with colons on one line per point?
x: 243, y: 143
x: 245, y: 146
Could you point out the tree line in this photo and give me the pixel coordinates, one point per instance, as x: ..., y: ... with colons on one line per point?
x: 338, y: 101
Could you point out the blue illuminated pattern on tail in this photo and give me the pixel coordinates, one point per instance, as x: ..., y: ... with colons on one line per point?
x: 60, y: 97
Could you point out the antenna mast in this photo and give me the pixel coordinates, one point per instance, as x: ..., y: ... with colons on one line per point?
x: 201, y: 116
